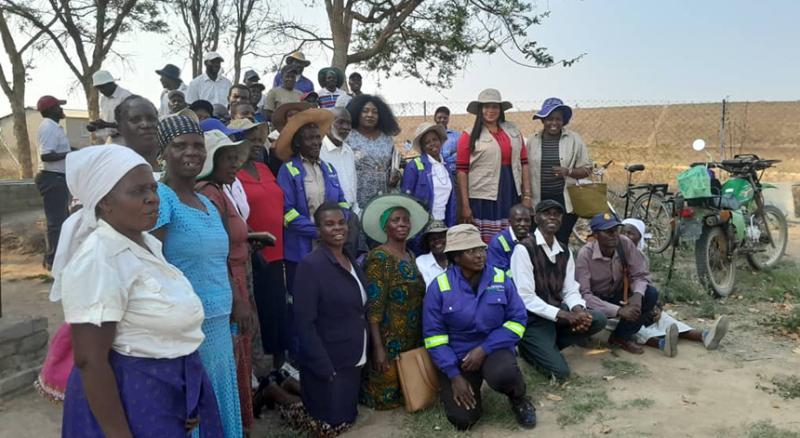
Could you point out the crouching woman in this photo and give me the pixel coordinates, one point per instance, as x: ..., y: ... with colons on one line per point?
x: 472, y: 320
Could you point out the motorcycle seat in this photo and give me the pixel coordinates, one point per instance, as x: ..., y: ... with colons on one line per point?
x: 633, y: 168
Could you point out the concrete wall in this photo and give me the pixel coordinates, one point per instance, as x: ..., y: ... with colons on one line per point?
x: 23, y: 344
x: 19, y: 196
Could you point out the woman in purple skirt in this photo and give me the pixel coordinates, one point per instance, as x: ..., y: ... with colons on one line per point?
x: 135, y: 319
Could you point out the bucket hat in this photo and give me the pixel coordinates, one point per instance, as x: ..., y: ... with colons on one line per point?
x: 489, y: 95
x: 170, y: 71
x: 321, y: 117
x: 371, y: 216
x: 324, y: 72
x: 550, y: 105
x: 462, y: 237
x: 424, y: 128
x: 216, y: 140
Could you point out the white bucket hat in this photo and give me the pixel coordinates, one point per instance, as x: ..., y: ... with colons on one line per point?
x: 216, y: 140
x: 102, y: 77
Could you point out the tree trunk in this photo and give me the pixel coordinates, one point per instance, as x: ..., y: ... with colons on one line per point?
x: 341, y: 25
x: 21, y: 135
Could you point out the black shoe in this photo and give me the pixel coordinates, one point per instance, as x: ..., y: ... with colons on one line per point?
x: 524, y: 411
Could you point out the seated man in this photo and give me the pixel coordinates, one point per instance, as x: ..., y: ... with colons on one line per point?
x: 544, y: 273
x: 613, y: 279
x: 501, y: 245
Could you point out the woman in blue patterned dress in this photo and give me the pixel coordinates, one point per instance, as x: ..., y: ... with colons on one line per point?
x: 195, y: 241
x: 372, y: 142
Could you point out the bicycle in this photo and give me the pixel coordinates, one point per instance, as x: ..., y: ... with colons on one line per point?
x: 648, y: 202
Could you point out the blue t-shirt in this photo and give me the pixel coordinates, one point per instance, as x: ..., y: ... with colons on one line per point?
x: 196, y: 243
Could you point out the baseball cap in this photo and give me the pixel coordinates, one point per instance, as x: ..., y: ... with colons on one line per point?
x: 46, y: 102
x: 251, y: 75
x: 101, y: 77
x: 604, y: 221
x: 210, y: 56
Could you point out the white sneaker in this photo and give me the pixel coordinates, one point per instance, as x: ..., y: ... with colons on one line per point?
x: 713, y: 335
x: 669, y: 345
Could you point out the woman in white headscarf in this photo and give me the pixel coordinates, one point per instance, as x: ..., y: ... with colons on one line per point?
x: 134, y: 318
x: 665, y: 330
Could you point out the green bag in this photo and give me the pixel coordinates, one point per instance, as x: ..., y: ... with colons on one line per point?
x: 695, y: 182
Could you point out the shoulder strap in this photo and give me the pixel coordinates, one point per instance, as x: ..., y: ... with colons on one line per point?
x: 626, y: 282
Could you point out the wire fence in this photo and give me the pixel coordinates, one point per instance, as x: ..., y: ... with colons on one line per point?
x: 657, y: 134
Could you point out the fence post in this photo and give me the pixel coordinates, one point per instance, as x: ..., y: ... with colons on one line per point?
x: 722, y: 130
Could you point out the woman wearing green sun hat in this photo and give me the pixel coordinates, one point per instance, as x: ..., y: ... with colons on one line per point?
x: 395, y: 289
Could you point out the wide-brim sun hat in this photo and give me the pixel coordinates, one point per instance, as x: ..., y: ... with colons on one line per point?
x: 320, y: 117
x: 299, y: 58
x: 550, y: 105
x: 489, y: 95
x: 424, y: 128
x: 463, y: 237
x: 216, y: 140
x: 279, y: 116
x: 371, y: 215
x: 323, y: 73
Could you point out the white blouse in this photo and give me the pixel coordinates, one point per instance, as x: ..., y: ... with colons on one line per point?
x: 442, y: 186
x: 112, y: 279
x: 363, y: 359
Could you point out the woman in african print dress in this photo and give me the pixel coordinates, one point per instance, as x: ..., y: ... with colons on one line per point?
x: 395, y: 289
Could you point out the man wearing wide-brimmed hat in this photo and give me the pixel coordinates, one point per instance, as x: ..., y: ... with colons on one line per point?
x: 307, y: 182
x: 111, y: 95
x: 303, y: 83
x: 171, y: 80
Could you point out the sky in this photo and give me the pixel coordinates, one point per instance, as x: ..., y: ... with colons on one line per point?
x: 637, y: 51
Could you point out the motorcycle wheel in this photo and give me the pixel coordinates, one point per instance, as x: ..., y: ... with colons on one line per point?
x: 716, y: 271
x: 779, y: 231
x: 659, y: 220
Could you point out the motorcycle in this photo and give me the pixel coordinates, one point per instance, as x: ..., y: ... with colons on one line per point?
x: 731, y: 222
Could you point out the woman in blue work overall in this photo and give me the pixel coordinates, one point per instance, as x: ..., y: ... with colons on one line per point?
x: 472, y: 319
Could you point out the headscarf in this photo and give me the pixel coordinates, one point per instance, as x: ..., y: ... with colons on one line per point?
x: 175, y: 125
x: 640, y: 226
x: 91, y: 173
x: 385, y: 216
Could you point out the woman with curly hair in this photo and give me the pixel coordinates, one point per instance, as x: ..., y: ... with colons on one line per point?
x: 372, y: 142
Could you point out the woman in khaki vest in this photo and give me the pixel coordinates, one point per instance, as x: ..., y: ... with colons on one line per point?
x: 491, y: 166
x: 558, y: 158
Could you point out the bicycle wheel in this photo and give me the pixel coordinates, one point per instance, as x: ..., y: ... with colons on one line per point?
x: 656, y: 213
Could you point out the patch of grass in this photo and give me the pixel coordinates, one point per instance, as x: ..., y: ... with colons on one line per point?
x: 622, y: 368
x: 783, y: 323
x: 777, y: 284
x: 765, y: 429
x: 638, y: 403
x: 786, y: 386
x: 580, y: 404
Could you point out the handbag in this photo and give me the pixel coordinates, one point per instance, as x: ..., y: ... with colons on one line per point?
x: 418, y: 379
x: 588, y: 199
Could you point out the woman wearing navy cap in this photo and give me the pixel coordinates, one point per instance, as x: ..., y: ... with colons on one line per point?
x: 557, y: 158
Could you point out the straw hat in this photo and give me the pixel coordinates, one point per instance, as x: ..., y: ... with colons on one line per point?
x: 299, y: 58
x: 216, y: 140
x: 489, y: 95
x: 279, y: 116
x: 371, y: 216
x: 321, y: 117
x: 424, y: 128
x: 463, y: 237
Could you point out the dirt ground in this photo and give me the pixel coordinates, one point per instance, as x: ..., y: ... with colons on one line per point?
x: 697, y: 394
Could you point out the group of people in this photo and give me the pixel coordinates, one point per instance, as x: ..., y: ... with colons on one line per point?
x: 281, y: 255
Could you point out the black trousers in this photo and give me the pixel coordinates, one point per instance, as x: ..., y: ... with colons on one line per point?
x: 544, y: 339
x: 55, y: 197
x: 626, y: 329
x: 501, y: 372
x: 269, y: 291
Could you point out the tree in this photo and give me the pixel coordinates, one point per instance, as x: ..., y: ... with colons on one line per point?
x: 84, y: 31
x: 428, y: 40
x: 15, y: 90
x: 245, y: 25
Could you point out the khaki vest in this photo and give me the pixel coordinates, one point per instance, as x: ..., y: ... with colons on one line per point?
x: 485, y: 162
x: 572, y: 153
